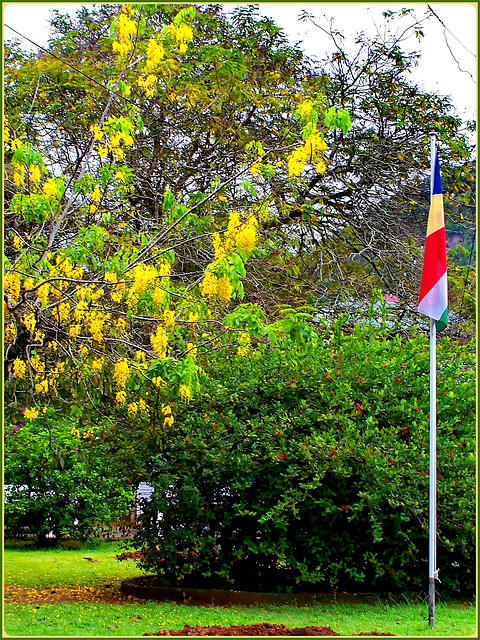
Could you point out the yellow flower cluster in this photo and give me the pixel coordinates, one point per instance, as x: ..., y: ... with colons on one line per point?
x: 74, y: 330
x: 310, y: 151
x: 35, y: 174
x: 37, y: 363
x: 17, y: 242
x: 159, y: 342
x: 97, y: 365
x: 18, y: 174
x: 61, y: 311
x: 192, y: 350
x: 31, y: 414
x: 10, y: 332
x: 97, y: 132
x: 183, y: 34
x: 158, y: 297
x: 246, y: 237
x: 121, y: 373
x: 19, y: 369
x: 29, y: 322
x: 144, y: 277
x: 242, y: 235
x: 184, y: 392
x: 95, y: 321
x: 216, y: 288
x: 169, y: 318
x: 43, y: 293
x: 127, y: 30
x: 50, y: 189
x: 167, y: 415
x: 243, y: 344
x: 155, y: 53
x: 41, y: 387
x: 305, y: 109
x: 75, y: 432
x: 120, y: 397
x: 11, y: 285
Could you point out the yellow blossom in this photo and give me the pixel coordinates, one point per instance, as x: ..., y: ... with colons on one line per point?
x: 19, y: 368
x: 39, y: 336
x: 121, y: 396
x: 165, y: 269
x: 243, y: 344
x: 158, y: 297
x: 17, y: 242
x: 97, y: 365
x: 97, y: 132
x: 159, y: 342
x: 144, y: 277
x: 142, y: 406
x: 169, y: 318
x: 184, y: 392
x: 11, y: 285
x: 208, y: 286
x: 155, y: 53
x: 50, y: 188
x: 192, y: 351
x: 132, y: 408
x: 35, y: 174
x: 246, y: 236
x: 305, y: 109
x: 10, y: 332
x: 19, y: 174
x: 96, y: 195
x: 29, y: 322
x: 42, y: 387
x: 121, y: 373
x: 42, y: 294
x: 75, y: 432
x: 30, y: 414
x: 224, y: 289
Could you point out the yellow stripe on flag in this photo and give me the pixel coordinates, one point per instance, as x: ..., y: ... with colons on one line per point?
x: 435, y: 218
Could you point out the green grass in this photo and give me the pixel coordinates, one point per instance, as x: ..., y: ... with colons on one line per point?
x: 30, y: 569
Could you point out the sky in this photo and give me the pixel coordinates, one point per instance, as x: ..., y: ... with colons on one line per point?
x: 448, y: 63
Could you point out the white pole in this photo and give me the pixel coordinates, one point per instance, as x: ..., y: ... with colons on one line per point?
x: 432, y: 514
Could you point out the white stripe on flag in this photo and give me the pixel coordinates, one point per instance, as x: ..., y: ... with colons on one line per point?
x: 435, y: 302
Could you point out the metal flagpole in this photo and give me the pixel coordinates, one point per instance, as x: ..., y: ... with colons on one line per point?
x: 432, y: 514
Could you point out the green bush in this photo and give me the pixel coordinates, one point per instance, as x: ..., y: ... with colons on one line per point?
x: 307, y: 468
x: 58, y: 479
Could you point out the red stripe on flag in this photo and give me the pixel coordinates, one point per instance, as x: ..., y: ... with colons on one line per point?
x: 434, y: 262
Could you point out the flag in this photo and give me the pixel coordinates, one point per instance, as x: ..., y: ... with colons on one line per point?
x: 433, y: 288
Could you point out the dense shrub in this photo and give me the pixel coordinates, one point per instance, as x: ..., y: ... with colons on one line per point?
x: 58, y: 479
x: 307, y: 467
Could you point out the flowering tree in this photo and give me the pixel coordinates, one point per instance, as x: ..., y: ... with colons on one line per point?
x: 123, y: 264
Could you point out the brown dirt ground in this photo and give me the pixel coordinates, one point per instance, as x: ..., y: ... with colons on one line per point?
x: 260, y: 629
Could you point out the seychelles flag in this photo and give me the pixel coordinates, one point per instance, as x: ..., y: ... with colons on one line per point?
x: 433, y: 288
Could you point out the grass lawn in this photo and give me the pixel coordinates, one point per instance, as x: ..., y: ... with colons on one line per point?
x: 31, y: 572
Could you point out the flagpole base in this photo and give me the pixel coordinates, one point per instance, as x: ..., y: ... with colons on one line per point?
x: 431, y: 603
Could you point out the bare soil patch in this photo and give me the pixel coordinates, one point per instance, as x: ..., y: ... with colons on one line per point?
x: 259, y: 629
